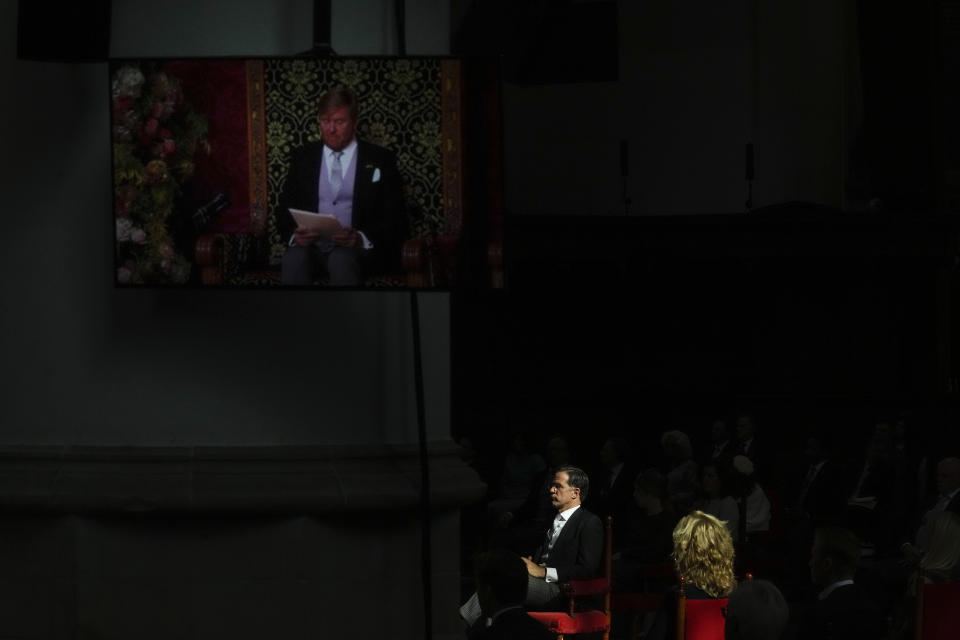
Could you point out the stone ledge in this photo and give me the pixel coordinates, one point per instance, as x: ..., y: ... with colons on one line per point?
x: 241, y: 480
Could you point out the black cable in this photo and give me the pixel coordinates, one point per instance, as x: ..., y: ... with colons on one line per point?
x: 400, y: 14
x: 426, y: 565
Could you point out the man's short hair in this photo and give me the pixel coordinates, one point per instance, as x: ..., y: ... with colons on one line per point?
x: 505, y: 574
x: 337, y: 97
x: 756, y: 611
x: 577, y: 477
x: 840, y: 545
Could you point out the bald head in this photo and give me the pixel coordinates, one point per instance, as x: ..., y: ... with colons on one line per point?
x: 948, y: 475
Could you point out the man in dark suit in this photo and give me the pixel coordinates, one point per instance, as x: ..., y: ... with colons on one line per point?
x: 571, y: 548
x: 843, y: 609
x: 612, y: 493
x: 501, y: 590
x: 356, y: 181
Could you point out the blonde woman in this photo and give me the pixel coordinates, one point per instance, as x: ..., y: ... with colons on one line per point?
x: 703, y: 555
x: 703, y: 559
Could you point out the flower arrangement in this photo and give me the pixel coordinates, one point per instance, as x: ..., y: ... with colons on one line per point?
x: 156, y: 134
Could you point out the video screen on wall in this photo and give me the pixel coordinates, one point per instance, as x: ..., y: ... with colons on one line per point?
x: 372, y: 172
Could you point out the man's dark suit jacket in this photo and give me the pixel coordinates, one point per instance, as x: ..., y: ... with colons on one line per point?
x: 577, y: 552
x: 847, y: 613
x: 615, y: 501
x: 511, y: 625
x: 378, y: 208
x: 825, y: 500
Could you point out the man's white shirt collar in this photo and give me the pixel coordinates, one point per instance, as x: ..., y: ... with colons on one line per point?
x: 833, y: 587
x: 565, y: 515
x: 346, y: 156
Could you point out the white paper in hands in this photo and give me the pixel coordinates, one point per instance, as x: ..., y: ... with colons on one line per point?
x: 325, y: 224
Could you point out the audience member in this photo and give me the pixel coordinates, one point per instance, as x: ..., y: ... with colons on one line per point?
x: 703, y: 558
x: 947, y: 499
x: 648, y: 537
x: 681, y: 469
x: 756, y: 611
x: 752, y: 501
x: 939, y: 563
x: 842, y: 609
x: 870, y: 495
x: 817, y: 495
x: 521, y: 469
x: 612, y: 493
x: 571, y: 546
x: 716, y: 497
x: 501, y: 591
x: 521, y: 530
x: 722, y: 446
x: 746, y: 425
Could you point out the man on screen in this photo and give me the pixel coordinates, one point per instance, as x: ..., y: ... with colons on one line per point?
x: 356, y: 181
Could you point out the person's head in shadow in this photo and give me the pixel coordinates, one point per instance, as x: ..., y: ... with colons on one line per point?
x: 756, y: 611
x: 834, y: 556
x: 703, y: 554
x: 557, y: 451
x: 501, y: 580
x: 715, y: 481
x: 650, y: 492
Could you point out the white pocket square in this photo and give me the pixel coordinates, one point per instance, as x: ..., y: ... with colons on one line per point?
x: 376, y: 175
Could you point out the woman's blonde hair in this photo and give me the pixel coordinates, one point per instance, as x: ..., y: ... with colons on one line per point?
x: 943, y: 543
x: 703, y: 553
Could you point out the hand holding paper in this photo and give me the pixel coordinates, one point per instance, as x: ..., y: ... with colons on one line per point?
x: 323, y: 225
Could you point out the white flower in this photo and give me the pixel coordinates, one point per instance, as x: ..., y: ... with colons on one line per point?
x: 743, y: 465
x: 124, y: 229
x: 128, y: 81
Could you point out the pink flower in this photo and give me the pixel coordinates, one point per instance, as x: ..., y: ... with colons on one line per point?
x: 151, y: 127
x: 122, y: 104
x: 164, y: 133
x: 169, y: 146
x: 123, y: 275
x: 139, y: 236
x: 165, y: 264
x: 157, y: 109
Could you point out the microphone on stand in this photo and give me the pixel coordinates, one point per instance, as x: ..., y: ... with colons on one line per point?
x: 624, y: 173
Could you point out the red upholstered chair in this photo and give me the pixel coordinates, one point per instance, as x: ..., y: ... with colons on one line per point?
x: 572, y: 621
x: 699, y: 619
x: 938, y: 610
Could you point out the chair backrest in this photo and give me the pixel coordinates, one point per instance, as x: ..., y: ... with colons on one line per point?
x: 601, y: 584
x: 700, y: 619
x: 938, y: 610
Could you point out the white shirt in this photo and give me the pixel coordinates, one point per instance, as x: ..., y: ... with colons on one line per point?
x: 347, y: 155
x: 559, y: 521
